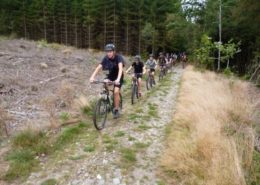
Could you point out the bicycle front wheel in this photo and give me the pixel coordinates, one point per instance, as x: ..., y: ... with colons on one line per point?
x: 148, y: 83
x: 134, y: 93
x: 161, y: 75
x: 100, y: 114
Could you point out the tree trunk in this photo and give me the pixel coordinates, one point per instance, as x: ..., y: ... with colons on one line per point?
x: 127, y: 30
x: 44, y: 23
x: 114, y: 35
x: 54, y: 29
x: 76, y: 30
x: 105, y: 26
x: 24, y: 22
x: 66, y: 28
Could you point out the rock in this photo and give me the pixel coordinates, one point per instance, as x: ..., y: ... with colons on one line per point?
x: 105, y: 161
x: 63, y: 70
x: 34, y: 88
x: 2, y: 85
x: 67, y: 51
x: 22, y: 46
x: 99, y: 177
x: 79, y: 59
x: 43, y: 65
x: 116, y: 181
x: 62, y: 104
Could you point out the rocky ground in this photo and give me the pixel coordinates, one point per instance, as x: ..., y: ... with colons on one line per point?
x: 126, y: 151
x: 39, y: 79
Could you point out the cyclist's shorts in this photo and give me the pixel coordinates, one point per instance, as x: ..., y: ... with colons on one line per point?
x: 138, y: 76
x: 121, y: 82
x: 162, y: 65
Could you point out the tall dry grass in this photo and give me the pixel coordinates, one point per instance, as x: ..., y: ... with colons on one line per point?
x: 211, y: 139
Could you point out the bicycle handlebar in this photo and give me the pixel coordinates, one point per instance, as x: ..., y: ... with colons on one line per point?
x: 103, y: 82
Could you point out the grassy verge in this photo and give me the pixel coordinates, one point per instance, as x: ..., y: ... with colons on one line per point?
x: 210, y: 140
x: 28, y: 146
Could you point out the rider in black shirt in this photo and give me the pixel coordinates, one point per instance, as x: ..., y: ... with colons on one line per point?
x: 139, y: 70
x: 112, y: 62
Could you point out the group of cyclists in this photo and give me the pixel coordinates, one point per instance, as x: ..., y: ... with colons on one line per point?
x: 114, y: 63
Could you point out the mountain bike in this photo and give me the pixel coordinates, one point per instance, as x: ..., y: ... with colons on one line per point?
x: 150, y: 80
x: 162, y: 72
x: 104, y: 104
x: 135, y: 94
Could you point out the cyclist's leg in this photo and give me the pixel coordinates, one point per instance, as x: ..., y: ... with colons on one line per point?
x: 116, y: 97
x: 117, y: 89
x: 139, y: 84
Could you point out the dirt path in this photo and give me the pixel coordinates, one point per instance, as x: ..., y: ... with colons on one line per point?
x: 125, y: 152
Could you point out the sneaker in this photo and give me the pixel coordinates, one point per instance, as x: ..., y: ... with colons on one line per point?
x: 115, y: 114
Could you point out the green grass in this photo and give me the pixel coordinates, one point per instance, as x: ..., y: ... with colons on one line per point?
x: 78, y: 157
x: 33, y: 140
x: 89, y: 148
x: 28, y: 144
x: 159, y: 182
x: 64, y: 116
x: 153, y: 110
x: 22, y: 163
x: 68, y: 135
x: 128, y: 157
x: 110, y: 143
x: 143, y: 127
x: 88, y: 109
x: 130, y: 138
x: 254, y: 177
x: 50, y: 182
x: 119, y: 134
x: 134, y: 117
x: 140, y: 145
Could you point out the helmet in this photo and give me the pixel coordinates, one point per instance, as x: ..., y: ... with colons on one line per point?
x: 137, y: 57
x: 110, y: 47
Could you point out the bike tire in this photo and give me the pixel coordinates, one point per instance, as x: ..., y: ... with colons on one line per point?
x: 100, y: 114
x: 151, y: 82
x: 121, y: 101
x: 133, y: 94
x: 161, y: 75
x: 148, y: 83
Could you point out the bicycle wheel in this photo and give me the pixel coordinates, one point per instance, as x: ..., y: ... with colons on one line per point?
x: 151, y: 82
x: 161, y: 75
x: 148, y: 83
x: 100, y: 114
x: 121, y: 101
x: 133, y: 95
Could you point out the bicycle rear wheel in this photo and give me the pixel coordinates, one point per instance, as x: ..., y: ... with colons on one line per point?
x: 148, y: 83
x: 100, y: 114
x: 161, y: 75
x: 134, y: 93
x: 121, y: 101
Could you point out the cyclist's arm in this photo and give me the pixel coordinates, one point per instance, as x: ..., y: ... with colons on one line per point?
x: 129, y: 69
x: 144, y: 70
x: 92, y: 78
x: 120, y: 72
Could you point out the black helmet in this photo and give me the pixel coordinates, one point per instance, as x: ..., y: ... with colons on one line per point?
x: 110, y: 47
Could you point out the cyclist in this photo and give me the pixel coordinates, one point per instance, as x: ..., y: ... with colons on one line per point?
x: 114, y: 63
x: 162, y: 61
x: 151, y: 65
x: 139, y: 70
